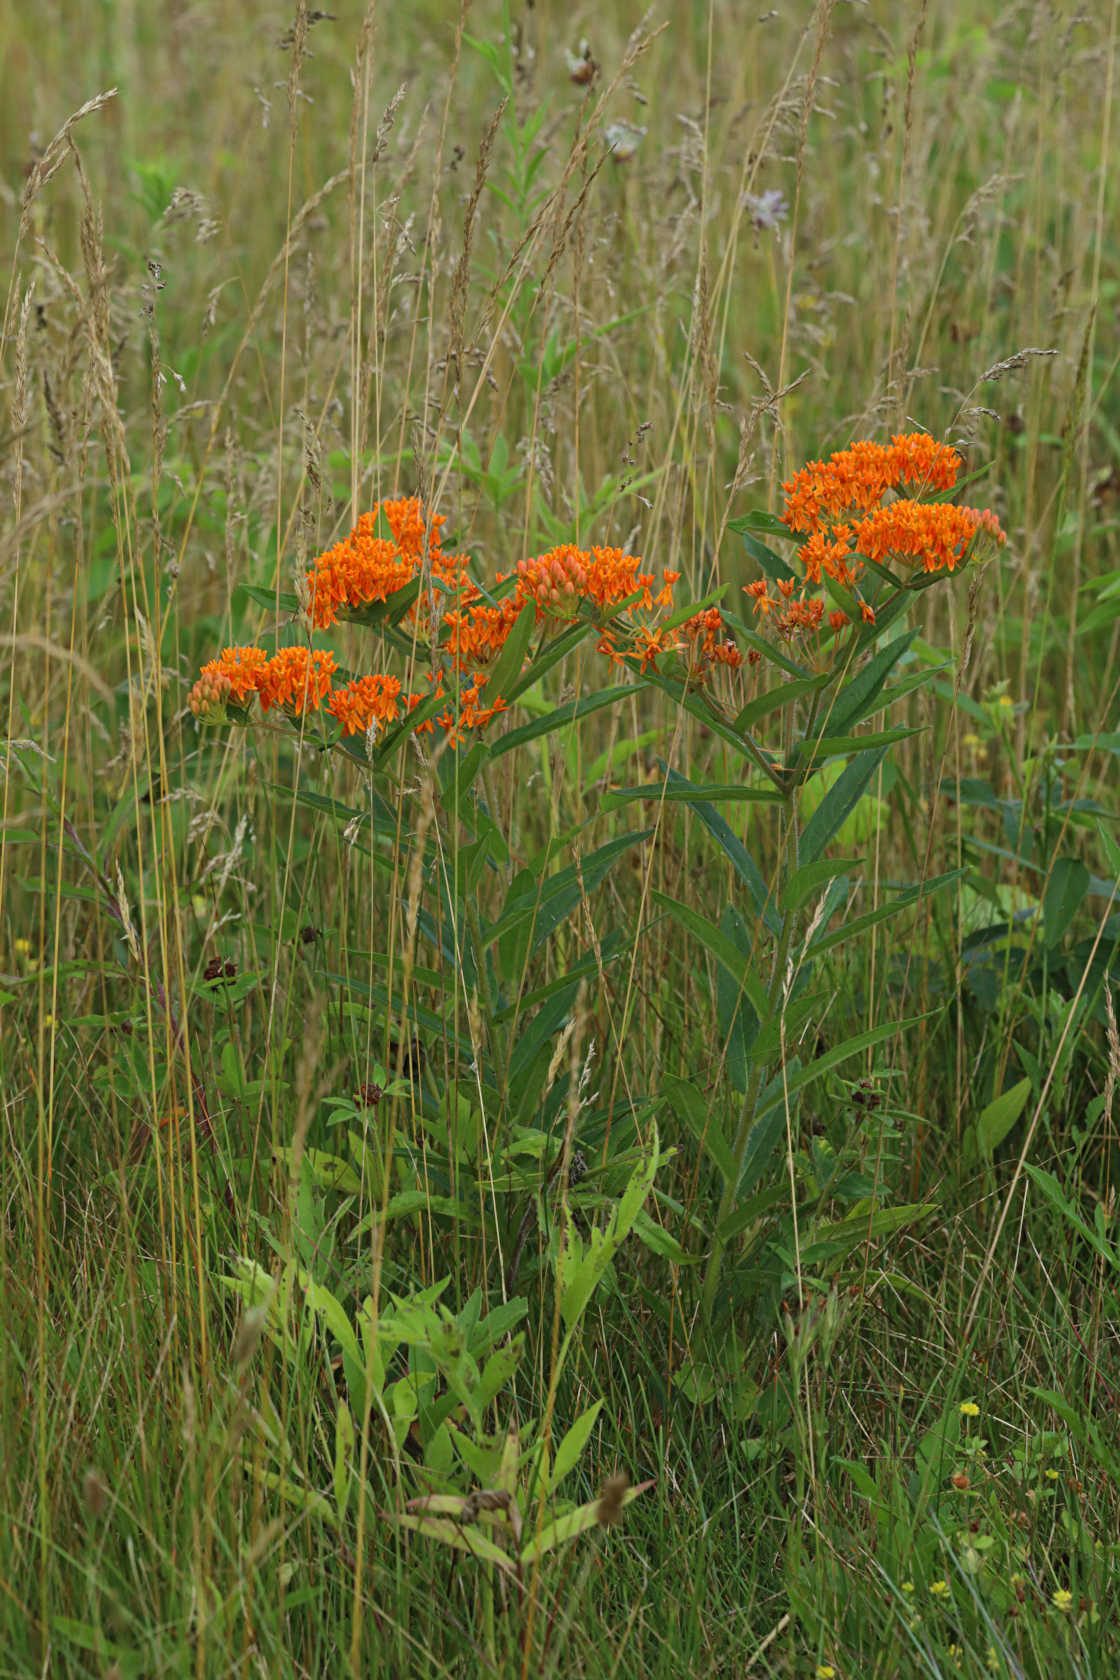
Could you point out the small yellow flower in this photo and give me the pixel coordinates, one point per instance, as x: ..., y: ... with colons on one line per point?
x: 825, y: 1671
x: 1062, y: 1599
x: 969, y: 1408
x: 939, y: 1588
x: 993, y: 1660
x: 1051, y: 1475
x: 908, y: 1586
x: 23, y: 947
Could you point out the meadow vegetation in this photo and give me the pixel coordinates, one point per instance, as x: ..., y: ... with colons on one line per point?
x: 558, y: 856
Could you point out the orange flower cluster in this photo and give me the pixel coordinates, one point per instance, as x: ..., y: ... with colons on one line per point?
x: 466, y: 714
x: 605, y: 577
x: 367, y: 567
x: 211, y: 693
x: 825, y: 500
x: 368, y: 700
x: 934, y: 533
x: 294, y: 677
x: 857, y: 479
x: 241, y: 667
x: 704, y: 642
x: 477, y: 635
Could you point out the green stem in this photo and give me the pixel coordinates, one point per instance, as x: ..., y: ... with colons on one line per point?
x: 485, y: 993
x: 747, y: 1116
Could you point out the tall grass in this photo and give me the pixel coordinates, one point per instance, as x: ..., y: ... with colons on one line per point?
x: 265, y: 272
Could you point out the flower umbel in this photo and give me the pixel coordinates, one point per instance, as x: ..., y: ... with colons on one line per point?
x: 854, y: 508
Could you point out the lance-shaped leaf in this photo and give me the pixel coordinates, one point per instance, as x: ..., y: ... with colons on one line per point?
x: 580, y: 1265
x: 572, y: 1524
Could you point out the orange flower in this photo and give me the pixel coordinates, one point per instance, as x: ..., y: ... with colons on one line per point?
x: 241, y: 667
x: 365, y: 568
x: 603, y: 576
x: 838, y: 505
x: 365, y: 701
x: 757, y: 590
x: 856, y: 479
x: 412, y: 527
x: 296, y: 677
x: 706, y: 644
x: 934, y: 533
x: 361, y: 569
x: 799, y: 617
x: 650, y: 643
x: 458, y: 717
x: 556, y: 582
x: 477, y: 636
x: 208, y: 697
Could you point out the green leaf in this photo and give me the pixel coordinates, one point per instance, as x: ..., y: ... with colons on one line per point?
x: 697, y: 706
x: 567, y: 1527
x: 827, y: 941
x: 741, y: 860
x: 694, y: 1109
x: 683, y: 614
x: 839, y: 803
x: 784, y: 694
x: 658, y: 1240
x: 773, y: 655
x: 785, y: 1026
x: 1073, y: 1418
x: 329, y: 1172
x: 560, y: 718
x: 399, y: 734
x: 820, y: 1065
x: 722, y: 794
x: 497, y: 1373
x: 512, y: 657
x: 995, y: 1121
x: 343, y: 1458
x: 1065, y: 890
x: 859, y: 698
x: 805, y: 881
x: 746, y: 1213
x: 547, y: 904
x: 553, y: 653
x: 570, y: 1450
x: 407, y: 1202
x: 1056, y: 1196
x: 759, y: 520
x: 304, y: 1499
x: 777, y: 569
x: 320, y: 1300
x: 865, y: 1227
x: 285, y: 600
x: 722, y: 948
x: 819, y: 748
x: 461, y: 1537
x: 580, y: 1268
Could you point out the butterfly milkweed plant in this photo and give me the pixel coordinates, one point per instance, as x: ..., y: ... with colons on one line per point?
x: 797, y: 687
